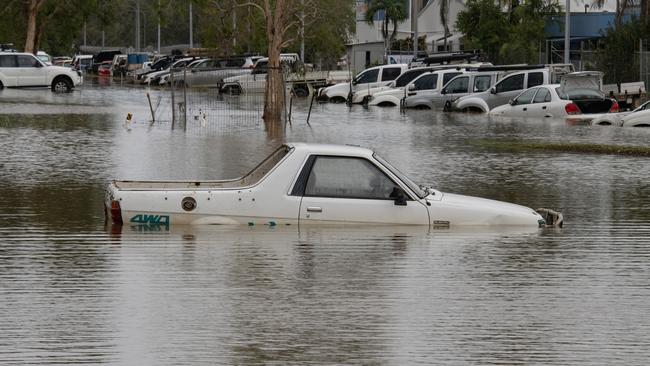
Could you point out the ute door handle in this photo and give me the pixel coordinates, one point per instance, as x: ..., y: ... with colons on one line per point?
x: 525, y: 109
x: 544, y: 107
x: 314, y: 209
x: 413, y: 93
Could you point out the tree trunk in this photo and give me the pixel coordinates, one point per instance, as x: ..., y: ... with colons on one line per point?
x: 32, y: 13
x: 274, y: 91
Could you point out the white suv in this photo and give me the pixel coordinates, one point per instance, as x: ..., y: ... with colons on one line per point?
x: 25, y: 70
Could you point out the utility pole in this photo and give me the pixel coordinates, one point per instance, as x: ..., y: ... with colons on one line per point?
x: 302, y: 31
x: 567, y: 32
x: 158, y: 26
x: 103, y: 38
x: 137, y: 25
x: 414, y: 25
x: 84, y: 32
x: 234, y: 27
x: 191, y: 30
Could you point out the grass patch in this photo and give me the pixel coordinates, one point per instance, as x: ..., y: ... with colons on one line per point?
x: 519, y: 146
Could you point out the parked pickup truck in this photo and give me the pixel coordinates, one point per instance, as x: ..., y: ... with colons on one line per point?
x: 302, y: 83
x: 302, y: 184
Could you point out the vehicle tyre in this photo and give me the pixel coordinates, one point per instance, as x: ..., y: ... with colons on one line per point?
x: 1, y: 85
x: 62, y: 84
x: 337, y: 100
x: 301, y: 90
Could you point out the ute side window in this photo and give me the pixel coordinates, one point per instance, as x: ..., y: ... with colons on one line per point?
x: 535, y: 79
x: 369, y: 76
x: 458, y: 85
x: 390, y: 73
x: 448, y: 76
x: 426, y: 82
x: 511, y: 83
x: 408, y: 76
x: 481, y: 83
x: 345, y: 177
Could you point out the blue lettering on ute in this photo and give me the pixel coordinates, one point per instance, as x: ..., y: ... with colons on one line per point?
x: 150, y: 219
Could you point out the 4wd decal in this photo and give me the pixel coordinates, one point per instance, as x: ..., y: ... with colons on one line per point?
x: 150, y: 219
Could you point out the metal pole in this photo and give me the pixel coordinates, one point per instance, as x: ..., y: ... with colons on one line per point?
x: 191, y: 28
x: 171, y: 85
x: 414, y: 17
x: 302, y: 31
x: 153, y: 115
x: 137, y: 25
x: 184, y: 99
x: 567, y: 32
x: 158, y: 26
x: 103, y: 38
x: 84, y: 33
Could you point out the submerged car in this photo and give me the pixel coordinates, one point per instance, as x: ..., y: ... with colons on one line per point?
x: 577, y: 96
x: 301, y: 184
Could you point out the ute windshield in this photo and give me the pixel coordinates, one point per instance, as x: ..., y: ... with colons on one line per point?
x: 414, y: 187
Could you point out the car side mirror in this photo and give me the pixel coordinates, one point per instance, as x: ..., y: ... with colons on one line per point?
x: 399, y: 196
x: 493, y: 90
x: 354, y: 82
x: 512, y: 102
x: 39, y: 65
x: 443, y: 91
x: 411, y: 87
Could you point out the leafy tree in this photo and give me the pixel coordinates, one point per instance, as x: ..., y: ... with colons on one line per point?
x: 616, y: 54
x: 484, y: 26
x: 506, y: 37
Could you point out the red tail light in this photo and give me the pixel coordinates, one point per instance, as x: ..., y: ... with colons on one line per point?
x: 572, y: 108
x: 116, y: 212
x: 615, y: 108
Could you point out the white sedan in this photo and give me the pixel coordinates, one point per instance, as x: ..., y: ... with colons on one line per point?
x: 554, y: 101
x: 639, y: 117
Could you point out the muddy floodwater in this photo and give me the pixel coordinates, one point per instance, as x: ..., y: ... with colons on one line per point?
x: 73, y: 291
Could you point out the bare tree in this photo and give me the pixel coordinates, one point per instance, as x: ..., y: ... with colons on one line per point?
x: 282, y: 20
x: 33, y: 7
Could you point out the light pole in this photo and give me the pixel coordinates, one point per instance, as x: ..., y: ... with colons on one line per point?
x: 191, y: 35
x: 567, y: 32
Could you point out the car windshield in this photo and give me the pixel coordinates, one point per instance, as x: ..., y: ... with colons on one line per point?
x: 582, y: 94
x: 414, y: 187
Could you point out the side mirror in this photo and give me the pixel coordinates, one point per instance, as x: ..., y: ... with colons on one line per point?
x: 354, y: 82
x: 399, y: 196
x: 443, y: 91
x: 411, y: 87
x: 512, y: 102
x: 493, y: 90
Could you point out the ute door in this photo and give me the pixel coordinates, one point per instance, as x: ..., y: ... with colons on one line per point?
x: 506, y: 89
x: 31, y: 72
x: 342, y: 189
x: 8, y: 70
x: 366, y: 80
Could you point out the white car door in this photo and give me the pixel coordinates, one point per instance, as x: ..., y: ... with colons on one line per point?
x: 521, y: 105
x: 31, y: 72
x: 340, y: 189
x: 542, y: 106
x: 8, y: 70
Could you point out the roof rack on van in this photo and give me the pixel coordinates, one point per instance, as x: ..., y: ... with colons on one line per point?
x: 446, y: 57
x: 515, y: 67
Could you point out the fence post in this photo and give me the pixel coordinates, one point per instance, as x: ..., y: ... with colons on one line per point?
x: 184, y: 100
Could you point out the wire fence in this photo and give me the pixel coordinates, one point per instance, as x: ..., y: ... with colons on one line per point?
x: 214, y: 100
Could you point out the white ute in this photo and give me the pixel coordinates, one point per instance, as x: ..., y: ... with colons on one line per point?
x: 20, y: 70
x: 301, y: 184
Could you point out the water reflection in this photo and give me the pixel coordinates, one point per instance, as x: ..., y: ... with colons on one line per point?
x: 74, y: 291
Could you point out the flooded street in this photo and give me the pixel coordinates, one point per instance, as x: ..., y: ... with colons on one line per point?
x: 74, y: 291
